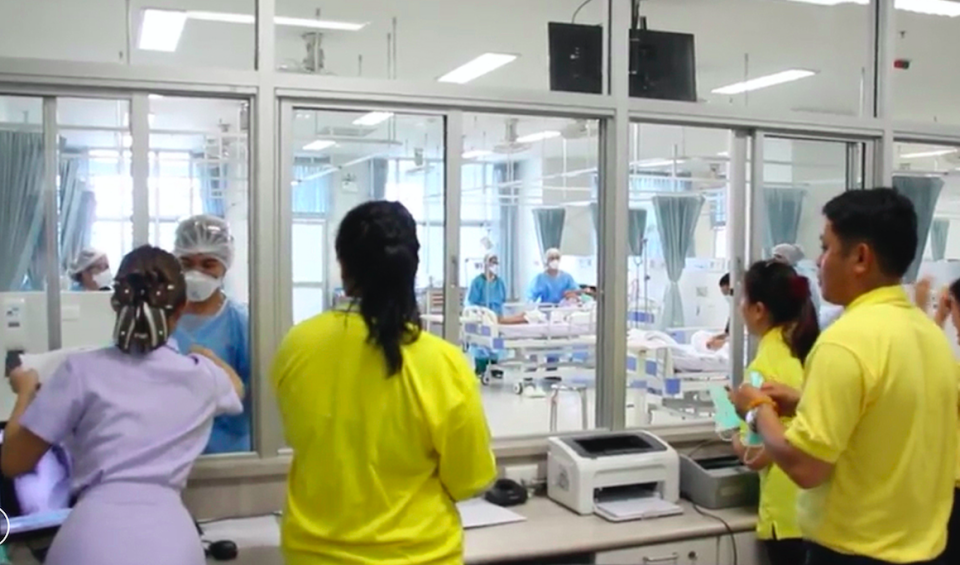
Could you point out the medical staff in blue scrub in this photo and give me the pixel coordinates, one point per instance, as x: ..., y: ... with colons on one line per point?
x: 91, y: 271
x: 213, y: 321
x: 552, y: 285
x: 488, y: 289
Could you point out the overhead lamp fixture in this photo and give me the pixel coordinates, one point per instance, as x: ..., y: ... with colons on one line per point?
x: 319, y: 145
x: 534, y: 137
x: 764, y: 81
x: 922, y: 154
x: 160, y: 30
x: 476, y: 154
x: 486, y: 63
x: 372, y: 119
x: 250, y: 19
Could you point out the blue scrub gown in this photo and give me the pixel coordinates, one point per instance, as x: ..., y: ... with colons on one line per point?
x: 227, y: 334
x: 548, y: 289
x: 490, y: 294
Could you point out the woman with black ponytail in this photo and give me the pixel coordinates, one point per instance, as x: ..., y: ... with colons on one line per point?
x: 134, y: 416
x: 385, y: 421
x: 777, y: 308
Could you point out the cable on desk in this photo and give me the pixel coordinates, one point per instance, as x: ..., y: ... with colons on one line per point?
x: 704, y: 443
x: 733, y: 540
x: 276, y: 513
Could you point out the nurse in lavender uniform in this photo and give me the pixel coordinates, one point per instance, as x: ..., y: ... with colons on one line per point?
x: 134, y: 417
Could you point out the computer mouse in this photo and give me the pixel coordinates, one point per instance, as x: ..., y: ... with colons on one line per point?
x: 506, y: 492
x: 223, y: 550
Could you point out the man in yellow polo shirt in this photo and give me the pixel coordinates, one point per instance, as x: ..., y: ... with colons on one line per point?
x: 872, y: 442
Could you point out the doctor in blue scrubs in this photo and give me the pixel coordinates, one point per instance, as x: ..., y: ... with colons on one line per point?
x: 552, y: 285
x: 212, y: 320
x: 489, y: 291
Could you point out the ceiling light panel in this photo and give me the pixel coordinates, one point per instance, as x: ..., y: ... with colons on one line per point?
x: 319, y: 145
x: 372, y: 119
x: 922, y: 154
x: 534, y: 137
x: 319, y: 24
x: 946, y: 8
x: 486, y: 63
x: 160, y: 30
x: 764, y: 81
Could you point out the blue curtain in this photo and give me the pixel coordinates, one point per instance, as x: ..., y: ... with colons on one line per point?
x: 213, y: 180
x: 549, y: 223
x: 677, y: 218
x: 503, y: 176
x: 379, y: 170
x: 783, y: 207
x: 21, y: 204
x: 924, y: 193
x: 311, y: 193
x: 938, y: 238
x: 636, y: 227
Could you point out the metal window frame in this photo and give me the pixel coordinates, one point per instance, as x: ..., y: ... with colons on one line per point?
x: 271, y: 93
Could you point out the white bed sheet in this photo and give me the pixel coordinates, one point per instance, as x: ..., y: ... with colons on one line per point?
x: 546, y: 330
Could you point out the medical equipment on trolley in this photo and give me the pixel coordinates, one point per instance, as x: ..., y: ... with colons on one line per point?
x: 620, y: 476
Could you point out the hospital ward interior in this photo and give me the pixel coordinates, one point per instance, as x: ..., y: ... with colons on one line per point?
x: 589, y: 181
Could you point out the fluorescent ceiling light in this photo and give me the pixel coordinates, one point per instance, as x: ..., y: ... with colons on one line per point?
x: 653, y: 163
x: 723, y: 154
x: 319, y: 145
x: 920, y: 155
x: 155, y: 96
x: 319, y: 24
x: 160, y: 30
x: 764, y: 81
x: 478, y: 67
x: 373, y: 118
x: 476, y: 154
x: 250, y: 19
x: 533, y: 137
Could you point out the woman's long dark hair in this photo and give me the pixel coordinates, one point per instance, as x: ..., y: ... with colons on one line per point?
x: 787, y: 298
x: 148, y: 291
x: 379, y: 254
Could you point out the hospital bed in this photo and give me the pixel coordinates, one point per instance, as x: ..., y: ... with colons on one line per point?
x: 678, y: 373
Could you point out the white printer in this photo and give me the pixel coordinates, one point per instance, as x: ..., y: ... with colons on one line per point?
x: 619, y: 476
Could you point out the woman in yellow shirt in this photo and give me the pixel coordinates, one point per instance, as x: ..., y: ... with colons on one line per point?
x: 385, y: 421
x: 777, y: 308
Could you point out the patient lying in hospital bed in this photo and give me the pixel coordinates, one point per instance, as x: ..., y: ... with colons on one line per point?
x: 535, y: 322
x: 692, y: 357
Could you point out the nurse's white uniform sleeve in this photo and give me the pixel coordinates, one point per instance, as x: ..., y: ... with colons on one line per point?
x: 225, y: 395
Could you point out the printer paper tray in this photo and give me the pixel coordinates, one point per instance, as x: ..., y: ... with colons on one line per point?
x: 640, y: 508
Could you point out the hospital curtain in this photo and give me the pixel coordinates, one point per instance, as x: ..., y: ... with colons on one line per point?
x: 938, y: 238
x: 21, y: 204
x: 924, y: 193
x: 677, y: 218
x: 213, y: 178
x: 76, y: 214
x: 311, y: 193
x: 636, y: 226
x: 549, y: 223
x: 783, y: 207
x: 379, y: 171
x: 504, y: 175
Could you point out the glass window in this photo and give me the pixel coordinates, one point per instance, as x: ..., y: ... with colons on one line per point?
x: 495, y: 44
x: 928, y: 175
x: 528, y: 186
x: 342, y: 159
x: 182, y: 33
x: 922, y: 77
x: 199, y: 165
x: 679, y: 186
x: 793, y: 55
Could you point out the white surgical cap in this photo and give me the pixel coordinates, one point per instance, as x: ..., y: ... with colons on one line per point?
x: 205, y: 235
x: 489, y: 257
x: 789, y: 252
x: 552, y: 252
x: 85, y: 260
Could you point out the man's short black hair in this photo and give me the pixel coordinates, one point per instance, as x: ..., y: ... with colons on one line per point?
x: 725, y: 280
x: 882, y: 218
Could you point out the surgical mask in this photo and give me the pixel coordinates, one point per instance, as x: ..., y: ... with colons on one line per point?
x: 493, y: 269
x: 200, y: 286
x: 103, y: 279
x: 553, y: 264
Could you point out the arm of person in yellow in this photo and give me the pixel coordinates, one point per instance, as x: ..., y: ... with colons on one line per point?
x: 467, y: 464
x: 754, y: 458
x: 829, y: 410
